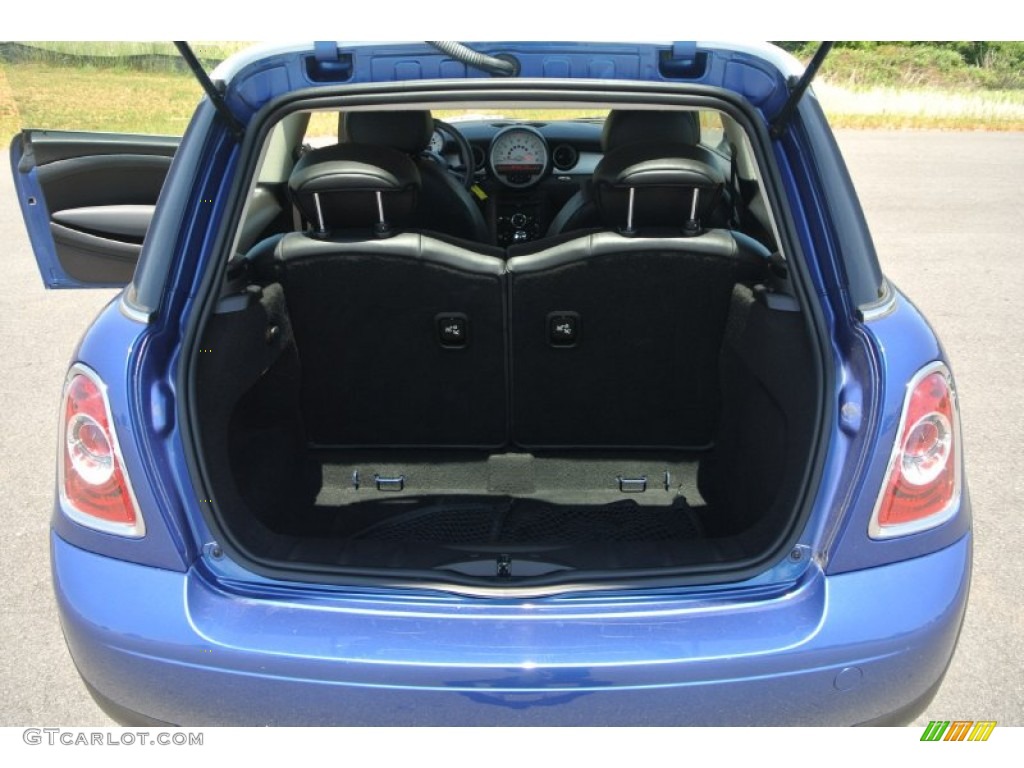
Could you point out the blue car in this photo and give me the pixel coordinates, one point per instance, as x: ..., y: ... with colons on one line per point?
x: 495, y: 384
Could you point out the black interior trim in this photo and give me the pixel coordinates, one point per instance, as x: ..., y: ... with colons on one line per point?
x: 94, y: 259
x: 50, y: 146
x: 130, y: 222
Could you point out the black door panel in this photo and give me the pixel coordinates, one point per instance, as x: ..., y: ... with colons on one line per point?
x: 103, y: 180
x: 128, y: 222
x: 49, y: 146
x: 91, y: 259
x: 88, y: 199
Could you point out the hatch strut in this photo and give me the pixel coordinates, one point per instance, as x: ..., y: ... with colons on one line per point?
x: 501, y: 64
x: 237, y: 130
x: 801, y: 86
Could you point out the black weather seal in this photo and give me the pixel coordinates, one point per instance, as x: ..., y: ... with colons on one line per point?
x: 504, y: 66
x: 801, y: 86
x: 216, y: 97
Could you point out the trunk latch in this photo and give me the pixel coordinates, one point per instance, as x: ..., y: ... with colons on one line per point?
x: 390, y: 484
x: 632, y: 484
x: 504, y: 564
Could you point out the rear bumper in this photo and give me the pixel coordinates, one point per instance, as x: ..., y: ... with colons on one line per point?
x: 860, y: 647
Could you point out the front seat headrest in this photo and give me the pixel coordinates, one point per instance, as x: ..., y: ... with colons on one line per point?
x: 629, y: 126
x: 338, y: 186
x: 408, y: 130
x: 672, y: 185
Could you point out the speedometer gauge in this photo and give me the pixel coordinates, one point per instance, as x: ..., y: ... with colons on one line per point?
x: 519, y: 156
x: 436, y: 143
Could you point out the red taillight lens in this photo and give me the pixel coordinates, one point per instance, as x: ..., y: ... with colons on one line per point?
x: 93, y: 484
x: 923, y: 479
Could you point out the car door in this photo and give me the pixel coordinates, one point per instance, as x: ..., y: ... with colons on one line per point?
x: 87, y: 200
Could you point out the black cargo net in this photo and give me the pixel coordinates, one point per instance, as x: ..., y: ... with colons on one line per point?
x: 523, y: 521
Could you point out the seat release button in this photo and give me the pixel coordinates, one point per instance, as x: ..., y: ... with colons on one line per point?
x: 453, y: 330
x: 563, y: 329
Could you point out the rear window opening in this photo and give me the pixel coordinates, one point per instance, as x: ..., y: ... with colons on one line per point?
x: 635, y: 395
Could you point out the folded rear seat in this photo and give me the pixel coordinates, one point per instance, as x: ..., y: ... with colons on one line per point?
x: 609, y: 339
x: 615, y: 335
x: 400, y: 335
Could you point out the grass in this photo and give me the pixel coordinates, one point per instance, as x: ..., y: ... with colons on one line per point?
x: 922, y: 108
x: 10, y: 122
x: 132, y: 87
x: 97, y: 99
x: 954, y: 66
x: 114, y: 50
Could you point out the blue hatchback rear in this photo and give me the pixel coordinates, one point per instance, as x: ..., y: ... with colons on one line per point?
x: 499, y: 384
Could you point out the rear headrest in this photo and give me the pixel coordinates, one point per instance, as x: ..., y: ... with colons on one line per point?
x: 408, y: 131
x: 338, y: 186
x: 664, y: 179
x: 625, y: 126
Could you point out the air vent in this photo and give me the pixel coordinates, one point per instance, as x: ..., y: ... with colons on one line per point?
x: 479, y: 156
x: 564, y: 157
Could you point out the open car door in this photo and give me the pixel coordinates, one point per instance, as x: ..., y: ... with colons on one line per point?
x: 87, y: 200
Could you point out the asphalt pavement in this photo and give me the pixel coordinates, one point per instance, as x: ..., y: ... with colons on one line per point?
x: 945, y: 211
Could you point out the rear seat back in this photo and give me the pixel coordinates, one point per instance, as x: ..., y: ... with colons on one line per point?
x: 400, y: 335
x: 615, y: 340
x: 615, y: 335
x: 606, y: 340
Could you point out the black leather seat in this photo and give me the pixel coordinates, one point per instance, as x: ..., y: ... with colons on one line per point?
x: 445, y: 206
x: 400, y: 335
x: 615, y: 338
x: 638, y: 131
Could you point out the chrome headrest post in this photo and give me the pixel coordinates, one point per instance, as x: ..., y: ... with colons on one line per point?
x: 629, y: 230
x: 692, y: 226
x: 381, y: 228
x: 320, y: 228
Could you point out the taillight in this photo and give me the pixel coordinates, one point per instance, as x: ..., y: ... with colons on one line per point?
x: 922, y: 487
x: 93, y: 484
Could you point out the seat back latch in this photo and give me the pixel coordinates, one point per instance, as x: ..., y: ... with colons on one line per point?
x: 390, y: 484
x: 632, y: 484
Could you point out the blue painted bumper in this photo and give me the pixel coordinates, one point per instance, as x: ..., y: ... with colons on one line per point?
x: 829, y: 650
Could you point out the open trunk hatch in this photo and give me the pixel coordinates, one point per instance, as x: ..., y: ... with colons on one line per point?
x: 374, y: 400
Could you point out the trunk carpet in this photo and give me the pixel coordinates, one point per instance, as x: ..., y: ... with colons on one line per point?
x: 522, y: 521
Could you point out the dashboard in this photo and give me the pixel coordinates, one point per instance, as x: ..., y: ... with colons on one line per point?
x: 525, y: 170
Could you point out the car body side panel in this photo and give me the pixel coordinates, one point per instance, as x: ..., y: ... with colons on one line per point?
x: 112, y: 340
x: 905, y: 343
x: 875, y: 360
x: 834, y: 651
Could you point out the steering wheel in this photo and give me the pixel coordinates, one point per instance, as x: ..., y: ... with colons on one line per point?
x: 467, y: 173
